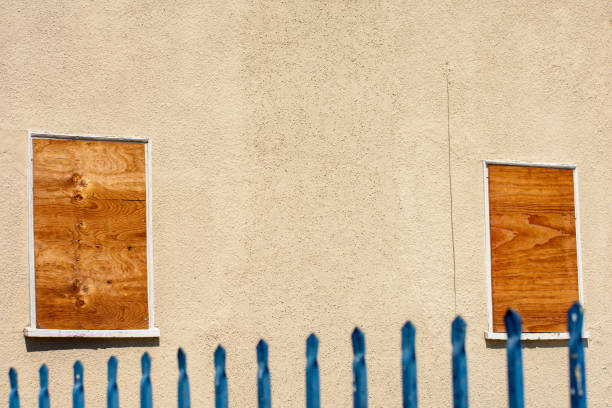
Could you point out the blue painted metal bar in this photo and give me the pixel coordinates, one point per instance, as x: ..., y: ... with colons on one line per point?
x: 78, y: 394
x: 575, y: 318
x: 14, y: 395
x: 184, y: 400
x: 263, y: 376
x: 360, y: 381
x: 360, y: 396
x: 146, y: 390
x: 515, y: 359
x: 220, y: 379
x: 460, y: 382
x: 43, y: 395
x: 112, y: 391
x: 409, y: 371
x: 313, y: 399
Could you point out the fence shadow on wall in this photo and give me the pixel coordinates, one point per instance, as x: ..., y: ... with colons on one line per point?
x: 539, y: 344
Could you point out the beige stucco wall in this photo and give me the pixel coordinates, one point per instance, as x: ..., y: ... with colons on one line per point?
x: 301, y: 181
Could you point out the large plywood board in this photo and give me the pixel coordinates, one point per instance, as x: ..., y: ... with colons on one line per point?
x: 533, y: 245
x: 90, y: 235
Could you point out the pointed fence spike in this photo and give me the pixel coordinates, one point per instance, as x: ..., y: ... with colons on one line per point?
x: 184, y: 400
x: 78, y: 394
x: 43, y: 395
x: 360, y: 381
x: 145, y: 363
x: 313, y: 399
x: 515, y: 359
x: 263, y: 376
x: 14, y: 395
x: 112, y: 392
x: 146, y: 391
x: 409, y: 371
x: 460, y: 382
x: 575, y: 317
x: 220, y: 378
x: 358, y: 341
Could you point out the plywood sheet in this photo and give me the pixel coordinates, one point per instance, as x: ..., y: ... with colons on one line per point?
x: 533, y: 246
x: 90, y: 236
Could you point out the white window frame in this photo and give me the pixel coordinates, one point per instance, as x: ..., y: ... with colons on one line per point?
x: 32, y: 330
x: 490, y: 334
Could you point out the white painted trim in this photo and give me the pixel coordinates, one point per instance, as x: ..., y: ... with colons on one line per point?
x: 578, y: 239
x: 529, y: 164
x: 534, y: 336
x: 490, y: 334
x: 149, y: 221
x: 32, y: 331
x: 31, y: 263
x: 485, y: 169
x: 51, y: 135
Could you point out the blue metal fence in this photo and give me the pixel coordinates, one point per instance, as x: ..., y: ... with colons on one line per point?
x: 360, y: 394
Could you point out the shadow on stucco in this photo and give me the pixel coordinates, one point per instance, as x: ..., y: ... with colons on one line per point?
x: 34, y: 344
x: 496, y: 344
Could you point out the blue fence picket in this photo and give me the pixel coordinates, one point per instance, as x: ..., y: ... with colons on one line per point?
x: 78, y: 394
x: 512, y: 322
x: 313, y: 399
x: 409, y: 371
x: 220, y: 379
x: 146, y: 391
x: 112, y: 391
x: 43, y: 395
x: 14, y: 395
x: 515, y: 359
x: 184, y: 400
x: 460, y: 382
x: 263, y: 376
x: 360, y: 380
x: 575, y: 318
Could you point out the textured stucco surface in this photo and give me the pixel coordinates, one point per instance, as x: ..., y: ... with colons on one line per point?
x: 301, y: 181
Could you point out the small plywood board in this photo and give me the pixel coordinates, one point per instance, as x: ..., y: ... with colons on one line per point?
x: 534, y: 266
x: 90, y: 234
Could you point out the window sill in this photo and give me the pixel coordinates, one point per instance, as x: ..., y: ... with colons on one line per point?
x: 533, y: 336
x: 137, y: 333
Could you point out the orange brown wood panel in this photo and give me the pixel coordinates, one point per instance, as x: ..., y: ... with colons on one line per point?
x: 90, y: 236
x: 533, y: 246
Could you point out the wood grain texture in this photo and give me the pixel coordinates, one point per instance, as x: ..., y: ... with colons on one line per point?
x: 533, y: 246
x: 90, y: 236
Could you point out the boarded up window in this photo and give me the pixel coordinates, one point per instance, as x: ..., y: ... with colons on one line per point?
x: 90, y: 234
x: 533, y: 245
